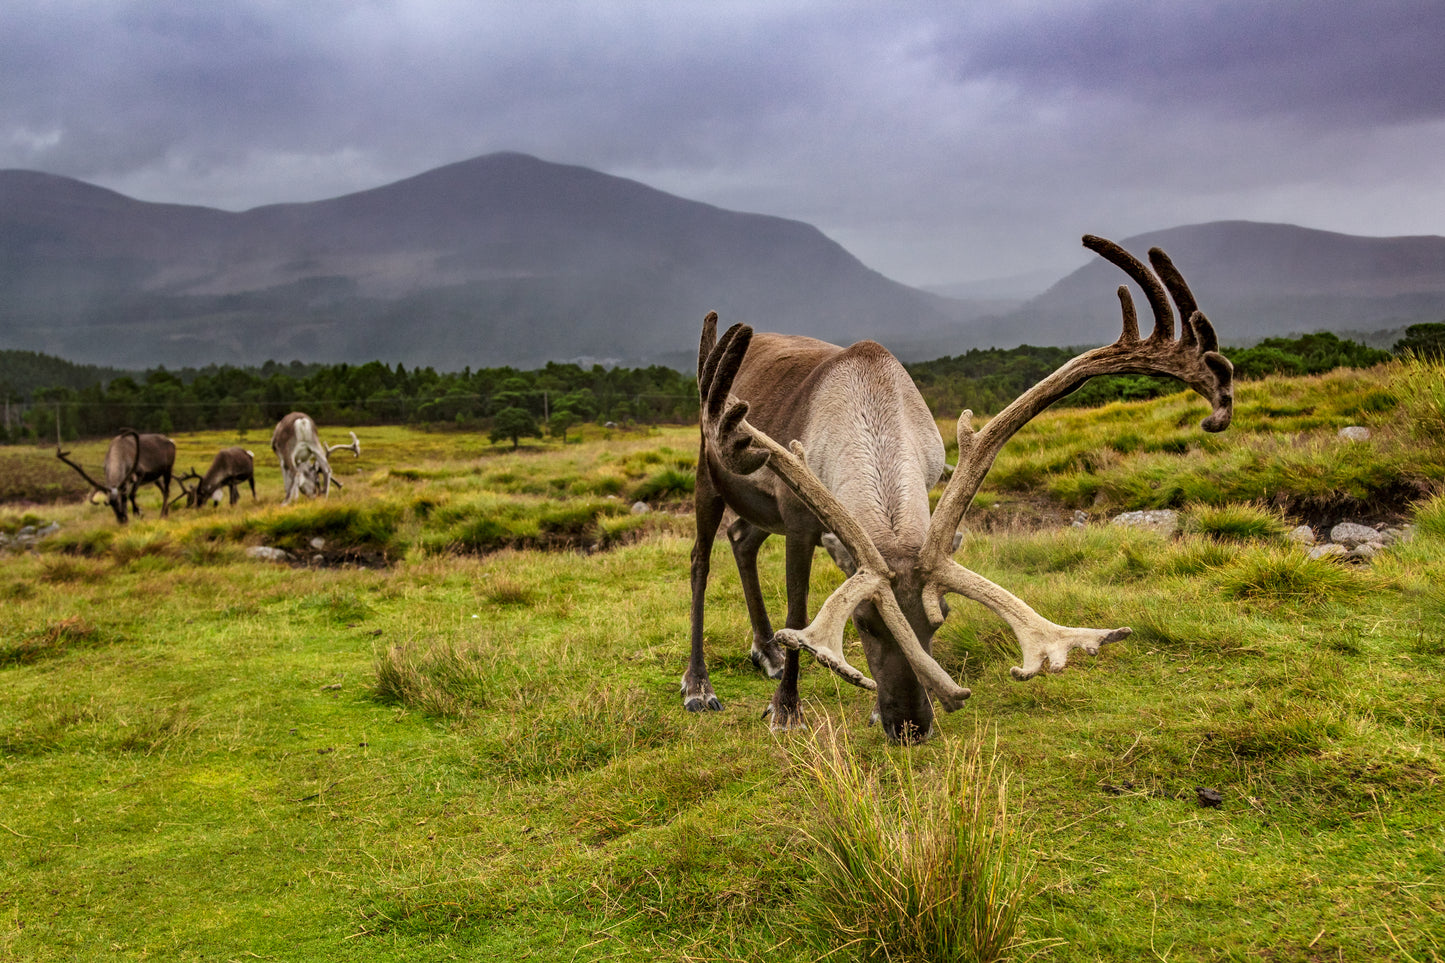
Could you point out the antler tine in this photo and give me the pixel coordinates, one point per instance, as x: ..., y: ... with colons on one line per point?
x: 706, y: 343
x: 1130, y: 334
x: 1174, y: 281
x: 1142, y: 276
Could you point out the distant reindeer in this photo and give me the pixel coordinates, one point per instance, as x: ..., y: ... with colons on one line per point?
x: 133, y: 459
x: 835, y: 446
x: 228, y: 470
x: 305, y: 465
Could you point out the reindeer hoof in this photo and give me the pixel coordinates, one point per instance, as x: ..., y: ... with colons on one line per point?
x: 699, y: 697
x: 784, y: 720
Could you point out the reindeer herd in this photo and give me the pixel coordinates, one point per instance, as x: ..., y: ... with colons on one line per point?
x: 135, y: 459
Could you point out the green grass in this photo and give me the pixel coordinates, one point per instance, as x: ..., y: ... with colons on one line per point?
x: 482, y: 754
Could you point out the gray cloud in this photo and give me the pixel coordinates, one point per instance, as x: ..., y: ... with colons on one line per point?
x: 936, y: 143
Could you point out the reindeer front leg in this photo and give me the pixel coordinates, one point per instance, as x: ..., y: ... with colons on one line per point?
x: 1039, y: 639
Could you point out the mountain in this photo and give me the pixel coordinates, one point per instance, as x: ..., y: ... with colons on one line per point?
x: 1253, y: 280
x: 507, y: 259
x: 504, y: 259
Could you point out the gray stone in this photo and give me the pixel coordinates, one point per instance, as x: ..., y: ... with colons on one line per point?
x: 1081, y: 518
x: 1161, y: 520
x: 1367, y: 550
x: 1303, y: 535
x: 48, y: 530
x: 318, y: 543
x: 1350, y: 534
x: 640, y: 508
x: 268, y: 554
x: 1329, y: 550
x: 1355, y: 433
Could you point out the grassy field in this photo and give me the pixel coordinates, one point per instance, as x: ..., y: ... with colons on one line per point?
x: 452, y: 729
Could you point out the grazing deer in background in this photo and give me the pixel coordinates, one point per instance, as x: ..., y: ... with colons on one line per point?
x: 133, y: 459
x: 862, y: 452
x: 228, y: 470
x: 305, y: 466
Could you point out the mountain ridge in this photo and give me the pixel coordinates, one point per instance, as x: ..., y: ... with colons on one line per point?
x: 506, y: 259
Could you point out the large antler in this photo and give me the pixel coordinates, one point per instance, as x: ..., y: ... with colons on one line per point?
x: 354, y: 447
x: 1193, y: 358
x: 732, y: 438
x: 65, y: 457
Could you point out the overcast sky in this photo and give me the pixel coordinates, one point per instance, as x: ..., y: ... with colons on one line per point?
x: 938, y: 142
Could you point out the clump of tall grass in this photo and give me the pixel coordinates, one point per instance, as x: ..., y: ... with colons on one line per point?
x: 1420, y: 386
x: 435, y: 677
x: 1289, y: 576
x: 52, y: 640
x: 915, y: 866
x: 667, y: 483
x: 1430, y: 517
x: 1236, y: 522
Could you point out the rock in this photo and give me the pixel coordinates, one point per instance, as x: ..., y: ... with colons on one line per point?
x: 268, y: 554
x: 1303, y: 535
x: 1329, y: 550
x: 640, y: 508
x: 1355, y: 433
x: 1366, y: 550
x: 26, y: 532
x: 1161, y: 520
x: 1081, y: 518
x: 1208, y: 798
x: 1350, y: 534
x: 318, y: 543
x: 48, y: 530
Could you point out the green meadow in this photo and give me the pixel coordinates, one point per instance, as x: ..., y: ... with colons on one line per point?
x: 451, y: 727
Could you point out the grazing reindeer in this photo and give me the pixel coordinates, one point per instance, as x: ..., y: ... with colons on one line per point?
x: 132, y: 460
x: 305, y: 466
x: 863, y: 453
x: 229, y: 468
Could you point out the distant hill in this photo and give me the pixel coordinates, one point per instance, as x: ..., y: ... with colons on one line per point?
x: 511, y: 260
x: 1253, y: 280
x: 505, y: 259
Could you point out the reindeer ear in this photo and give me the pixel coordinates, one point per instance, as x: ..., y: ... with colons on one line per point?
x: 840, y: 554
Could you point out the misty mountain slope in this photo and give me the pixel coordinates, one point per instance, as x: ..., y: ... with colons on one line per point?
x: 507, y: 259
x: 1253, y: 280
x: 504, y: 259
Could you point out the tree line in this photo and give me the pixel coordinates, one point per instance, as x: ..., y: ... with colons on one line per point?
x: 42, y: 394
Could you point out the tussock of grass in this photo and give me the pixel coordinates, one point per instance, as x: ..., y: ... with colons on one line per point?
x: 1274, y: 576
x: 59, y: 570
x: 1237, y: 523
x: 70, y: 632
x: 914, y: 864
x: 435, y: 677
x: 581, y: 734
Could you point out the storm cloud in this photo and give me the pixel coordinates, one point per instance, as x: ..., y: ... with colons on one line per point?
x: 939, y: 142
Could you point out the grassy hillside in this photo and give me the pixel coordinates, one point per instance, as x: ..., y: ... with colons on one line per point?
x: 448, y: 733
